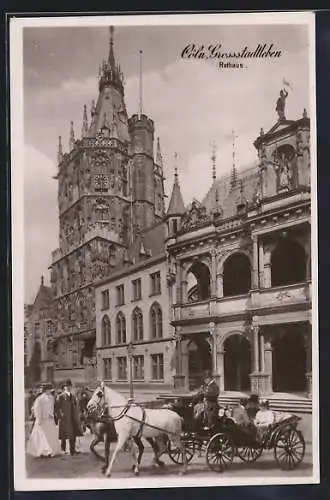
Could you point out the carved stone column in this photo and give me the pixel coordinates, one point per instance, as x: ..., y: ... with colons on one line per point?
x: 309, y: 359
x: 184, y: 284
x: 179, y: 376
x: 178, y: 282
x: 221, y: 368
x: 255, y: 351
x: 255, y: 280
x: 219, y: 285
x: 213, y: 273
x: 261, y: 264
x: 267, y: 272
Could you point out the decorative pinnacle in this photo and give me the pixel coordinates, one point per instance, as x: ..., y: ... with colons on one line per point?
x: 42, y: 280
x: 72, y: 139
x: 305, y: 113
x: 84, y: 130
x: 214, y: 158
x: 176, y: 176
x: 111, y: 54
x: 60, y: 150
x: 233, y: 180
x: 159, y: 158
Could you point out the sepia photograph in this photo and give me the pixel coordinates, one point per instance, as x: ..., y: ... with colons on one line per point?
x: 164, y: 249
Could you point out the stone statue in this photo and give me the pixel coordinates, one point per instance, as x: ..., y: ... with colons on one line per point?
x: 284, y: 173
x: 280, y: 105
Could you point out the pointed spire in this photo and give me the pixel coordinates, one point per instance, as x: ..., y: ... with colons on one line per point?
x: 214, y: 158
x: 176, y: 206
x: 140, y: 83
x: 72, y: 139
x: 111, y: 57
x: 84, y: 130
x: 233, y: 177
x: 60, y: 150
x: 159, y: 158
x: 93, y: 109
x: 305, y: 113
x: 42, y: 280
x: 110, y: 71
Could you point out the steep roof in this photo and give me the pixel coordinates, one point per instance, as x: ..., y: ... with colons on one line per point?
x: 176, y: 205
x: 44, y: 297
x: 228, y: 198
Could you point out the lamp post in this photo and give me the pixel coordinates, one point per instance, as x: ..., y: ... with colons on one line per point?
x: 130, y: 349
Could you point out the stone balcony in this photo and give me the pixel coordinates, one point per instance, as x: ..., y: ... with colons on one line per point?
x: 297, y: 294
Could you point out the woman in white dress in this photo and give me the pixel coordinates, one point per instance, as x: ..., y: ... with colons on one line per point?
x: 43, y: 441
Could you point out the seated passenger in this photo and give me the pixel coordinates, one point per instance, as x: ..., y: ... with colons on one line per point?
x: 240, y: 414
x: 264, y: 418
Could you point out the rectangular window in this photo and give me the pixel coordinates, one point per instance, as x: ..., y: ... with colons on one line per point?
x: 155, y: 283
x: 138, y: 368
x: 122, y: 368
x: 105, y: 299
x: 137, y: 293
x: 175, y: 226
x: 107, y: 368
x: 157, y: 366
x: 120, y: 295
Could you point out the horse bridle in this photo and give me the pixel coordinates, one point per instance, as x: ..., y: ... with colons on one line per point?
x: 101, y: 395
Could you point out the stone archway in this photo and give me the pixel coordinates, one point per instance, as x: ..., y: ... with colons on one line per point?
x: 288, y: 263
x: 199, y: 282
x: 236, y: 275
x: 289, y: 361
x: 237, y: 363
x: 199, y: 360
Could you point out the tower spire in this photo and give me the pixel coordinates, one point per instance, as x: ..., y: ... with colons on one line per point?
x: 72, y: 139
x: 214, y: 158
x: 84, y: 130
x: 60, y: 150
x: 111, y: 57
x: 176, y: 205
x: 110, y: 73
x: 140, y: 82
x: 176, y: 175
x: 233, y: 178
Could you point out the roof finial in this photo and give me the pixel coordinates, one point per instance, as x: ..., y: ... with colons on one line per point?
x: 159, y: 158
x: 233, y: 179
x: 176, y: 176
x: 140, y: 83
x: 214, y: 158
x: 42, y: 280
x: 84, y: 130
x: 305, y: 113
x: 111, y: 54
x: 72, y: 139
x: 60, y: 150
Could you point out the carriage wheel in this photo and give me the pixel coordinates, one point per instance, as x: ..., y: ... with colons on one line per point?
x: 248, y: 454
x: 219, y: 452
x: 176, y: 454
x: 289, y: 450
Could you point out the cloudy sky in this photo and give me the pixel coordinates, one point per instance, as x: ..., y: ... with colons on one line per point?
x: 192, y: 103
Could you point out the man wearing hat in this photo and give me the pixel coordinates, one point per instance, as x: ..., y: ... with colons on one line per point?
x: 68, y: 417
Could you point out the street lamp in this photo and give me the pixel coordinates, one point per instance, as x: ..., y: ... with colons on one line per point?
x: 130, y: 349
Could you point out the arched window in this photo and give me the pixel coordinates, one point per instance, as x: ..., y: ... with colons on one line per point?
x: 137, y: 324
x: 288, y: 263
x: 106, y: 330
x: 156, y: 321
x: 121, y: 328
x: 198, y: 282
x: 236, y: 275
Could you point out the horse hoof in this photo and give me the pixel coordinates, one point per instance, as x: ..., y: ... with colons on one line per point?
x: 182, y: 473
x: 136, y: 473
x: 107, y: 475
x: 161, y: 464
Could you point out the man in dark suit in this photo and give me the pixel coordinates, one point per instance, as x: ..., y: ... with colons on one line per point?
x: 67, y: 409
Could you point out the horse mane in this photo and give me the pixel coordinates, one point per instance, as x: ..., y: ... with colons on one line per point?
x: 115, y: 397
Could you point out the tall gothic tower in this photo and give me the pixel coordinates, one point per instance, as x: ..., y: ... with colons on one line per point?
x: 109, y: 189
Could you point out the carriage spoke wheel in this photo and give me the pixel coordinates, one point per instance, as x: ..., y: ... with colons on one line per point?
x: 219, y: 453
x: 289, y: 450
x: 176, y: 454
x: 248, y: 454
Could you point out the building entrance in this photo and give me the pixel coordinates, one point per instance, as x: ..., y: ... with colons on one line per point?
x: 289, y: 362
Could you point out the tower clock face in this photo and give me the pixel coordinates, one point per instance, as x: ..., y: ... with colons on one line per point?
x: 101, y: 182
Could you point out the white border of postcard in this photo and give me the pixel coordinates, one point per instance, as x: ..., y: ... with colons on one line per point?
x: 21, y: 482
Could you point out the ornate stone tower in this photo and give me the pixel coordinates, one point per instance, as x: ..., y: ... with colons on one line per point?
x: 108, y: 175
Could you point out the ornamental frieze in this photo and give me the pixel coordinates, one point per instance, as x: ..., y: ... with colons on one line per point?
x: 195, y: 217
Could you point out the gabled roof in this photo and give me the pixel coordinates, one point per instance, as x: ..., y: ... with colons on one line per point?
x: 44, y: 297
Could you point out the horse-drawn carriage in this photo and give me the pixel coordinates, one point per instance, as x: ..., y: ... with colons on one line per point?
x: 226, y: 440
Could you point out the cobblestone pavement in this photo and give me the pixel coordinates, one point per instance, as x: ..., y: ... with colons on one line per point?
x: 85, y: 465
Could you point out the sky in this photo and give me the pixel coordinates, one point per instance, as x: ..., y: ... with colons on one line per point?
x: 193, y: 103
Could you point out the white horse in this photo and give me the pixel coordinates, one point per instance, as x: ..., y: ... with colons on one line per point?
x: 132, y: 420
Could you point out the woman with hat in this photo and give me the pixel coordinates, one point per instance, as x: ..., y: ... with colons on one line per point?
x: 43, y: 440
x: 69, y: 422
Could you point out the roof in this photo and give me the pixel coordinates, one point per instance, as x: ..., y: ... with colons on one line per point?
x: 176, y: 205
x: 148, y: 245
x: 228, y: 198
x: 44, y: 297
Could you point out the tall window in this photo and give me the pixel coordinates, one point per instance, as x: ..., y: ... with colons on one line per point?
x: 120, y: 295
x: 157, y: 366
x: 155, y: 283
x: 107, y: 368
x: 37, y: 331
x: 137, y: 321
x: 49, y: 331
x: 121, y: 328
x: 105, y: 299
x: 122, y: 368
x: 156, y: 321
x: 137, y: 294
x: 106, y: 330
x: 138, y: 368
